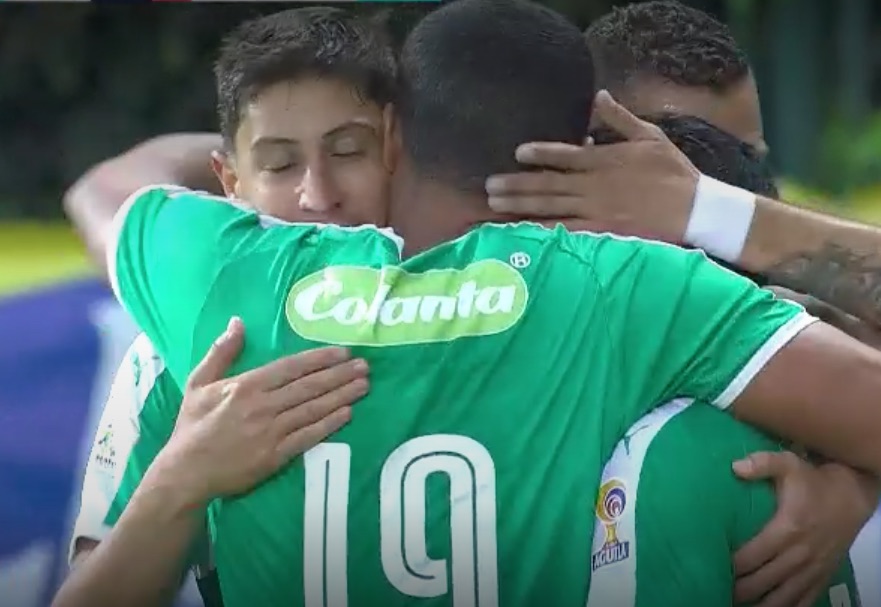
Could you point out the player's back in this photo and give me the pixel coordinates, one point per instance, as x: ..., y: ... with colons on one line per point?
x: 468, y: 474
x: 670, y: 513
x: 500, y: 384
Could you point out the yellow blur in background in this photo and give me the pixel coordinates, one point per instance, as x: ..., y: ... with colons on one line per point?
x: 33, y: 255
x: 864, y: 205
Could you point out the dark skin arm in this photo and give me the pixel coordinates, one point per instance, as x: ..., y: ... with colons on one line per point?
x: 178, y: 159
x: 605, y: 186
x: 821, y: 390
x: 834, y: 260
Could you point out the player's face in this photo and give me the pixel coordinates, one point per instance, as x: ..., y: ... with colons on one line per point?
x: 737, y: 111
x: 311, y: 150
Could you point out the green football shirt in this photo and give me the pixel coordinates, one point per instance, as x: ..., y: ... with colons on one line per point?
x: 671, y: 513
x: 506, y: 365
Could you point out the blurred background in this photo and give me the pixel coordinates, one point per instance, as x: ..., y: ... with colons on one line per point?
x: 81, y: 82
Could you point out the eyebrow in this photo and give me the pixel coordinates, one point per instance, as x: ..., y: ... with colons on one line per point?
x: 354, y: 123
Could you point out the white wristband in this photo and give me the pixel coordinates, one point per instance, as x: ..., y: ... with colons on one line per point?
x: 720, y: 218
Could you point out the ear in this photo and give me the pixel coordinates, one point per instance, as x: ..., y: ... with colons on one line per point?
x: 223, y: 166
x: 391, y: 138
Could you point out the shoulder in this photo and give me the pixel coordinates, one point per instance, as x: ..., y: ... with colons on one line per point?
x: 641, y: 441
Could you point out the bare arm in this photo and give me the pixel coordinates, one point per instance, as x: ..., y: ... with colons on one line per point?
x: 140, y: 563
x: 835, y: 260
x: 605, y: 186
x: 229, y: 435
x: 178, y: 159
x: 823, y: 390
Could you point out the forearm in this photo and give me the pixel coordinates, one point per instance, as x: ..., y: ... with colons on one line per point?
x: 141, y: 562
x: 820, y: 391
x: 179, y: 159
x: 834, y: 260
x: 857, y: 483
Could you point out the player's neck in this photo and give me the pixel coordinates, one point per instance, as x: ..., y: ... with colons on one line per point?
x: 426, y: 213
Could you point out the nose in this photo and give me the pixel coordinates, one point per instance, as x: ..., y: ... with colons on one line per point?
x: 318, y: 192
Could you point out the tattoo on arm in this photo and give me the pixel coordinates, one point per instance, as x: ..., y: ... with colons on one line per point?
x: 845, y: 279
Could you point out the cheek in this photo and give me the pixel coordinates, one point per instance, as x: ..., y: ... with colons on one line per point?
x: 276, y: 195
x: 364, y: 189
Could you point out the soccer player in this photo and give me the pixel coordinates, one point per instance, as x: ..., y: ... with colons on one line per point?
x: 670, y: 512
x: 660, y: 57
x: 664, y: 57
x: 702, y: 72
x: 496, y: 295
x: 337, y: 70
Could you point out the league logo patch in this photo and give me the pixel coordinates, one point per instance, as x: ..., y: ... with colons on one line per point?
x: 105, y: 453
x: 611, y: 503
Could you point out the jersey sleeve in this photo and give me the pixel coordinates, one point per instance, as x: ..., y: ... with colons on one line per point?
x: 168, y: 248
x: 680, y: 325
x: 137, y: 420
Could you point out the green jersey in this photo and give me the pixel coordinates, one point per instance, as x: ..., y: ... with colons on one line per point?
x: 136, y: 423
x: 505, y: 366
x: 670, y: 513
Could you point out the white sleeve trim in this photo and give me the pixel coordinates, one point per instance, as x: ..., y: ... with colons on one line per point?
x: 112, y: 248
x: 775, y: 343
x: 119, y: 427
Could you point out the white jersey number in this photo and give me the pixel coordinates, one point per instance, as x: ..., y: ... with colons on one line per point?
x: 405, y: 561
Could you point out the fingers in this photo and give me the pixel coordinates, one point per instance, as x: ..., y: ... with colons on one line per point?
x: 555, y: 155
x: 295, y: 418
x: 773, y: 540
x: 773, y: 576
x: 314, y: 385
x: 617, y: 117
x: 220, y: 356
x: 766, y: 465
x: 302, y: 440
x: 792, y: 589
x: 538, y: 182
x: 290, y: 368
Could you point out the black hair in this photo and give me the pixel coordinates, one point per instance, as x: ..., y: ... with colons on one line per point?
x: 714, y: 153
x: 297, y: 43
x: 668, y: 40
x: 480, y: 77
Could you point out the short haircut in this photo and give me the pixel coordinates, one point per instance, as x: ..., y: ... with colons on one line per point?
x: 714, y: 153
x: 668, y: 40
x: 299, y: 43
x: 480, y: 77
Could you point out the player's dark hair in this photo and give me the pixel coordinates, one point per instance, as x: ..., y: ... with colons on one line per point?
x: 715, y: 153
x: 297, y: 43
x: 664, y: 39
x: 480, y: 77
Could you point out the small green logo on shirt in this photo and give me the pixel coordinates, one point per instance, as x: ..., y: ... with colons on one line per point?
x: 351, y: 305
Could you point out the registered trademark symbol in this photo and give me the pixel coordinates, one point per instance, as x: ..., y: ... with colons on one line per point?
x: 520, y: 260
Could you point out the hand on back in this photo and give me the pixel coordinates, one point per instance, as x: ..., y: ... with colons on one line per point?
x: 820, y: 511
x: 233, y: 433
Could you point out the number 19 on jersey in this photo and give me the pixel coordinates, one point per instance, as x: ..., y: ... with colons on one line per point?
x: 473, y: 564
